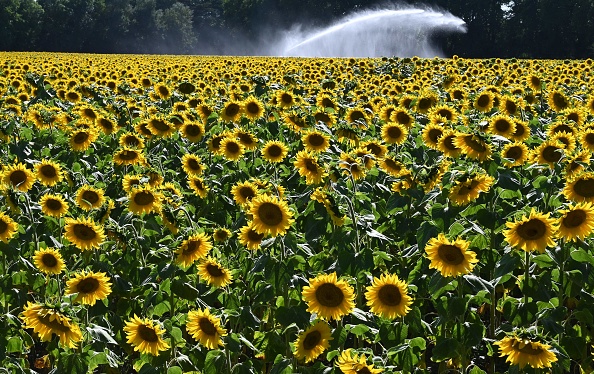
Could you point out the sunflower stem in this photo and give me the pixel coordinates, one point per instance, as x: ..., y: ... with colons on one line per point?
x: 526, y: 285
x: 561, y: 295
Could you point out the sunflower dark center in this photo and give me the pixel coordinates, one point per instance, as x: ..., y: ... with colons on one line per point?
x: 3, y: 227
x: 194, y: 164
x: 80, y: 137
x: 514, y: 152
x: 475, y: 145
x: 48, y: 171
x: 322, y: 117
x: 533, y: 229
x: 275, y: 151
x: 84, y: 232
x: 316, y: 140
x: 445, y: 113
x: 520, y: 130
x: 207, y: 326
x: 214, y: 271
x: 312, y: 340
x: 253, y: 236
x: 147, y: 334
x: 511, y: 107
x: 329, y: 295
x: 18, y: 177
x: 128, y: 154
x: 392, y: 165
x: 502, y: 125
x: 232, y: 110
x: 53, y: 204
x: 450, y: 254
x: 434, y: 135
x: 575, y: 218
x: 286, y: 98
x: 559, y: 101
x: 90, y: 196
x: 390, y: 295
x: 589, y: 138
x: 311, y: 165
x: 252, y: 108
x: 270, y: 213
x: 394, y: 132
x: 49, y: 260
x: 424, y: 103
x: 131, y: 141
x: 357, y: 115
x: 374, y: 148
x: 198, y: 184
x: 106, y: 124
x: 144, y: 198
x: 327, y: 103
x: 87, y: 285
x: 363, y: 370
x: 191, y: 247
x: 448, y: 143
x: 552, y: 153
x: 483, y: 101
x: 247, y: 192
x: 467, y: 188
x: 232, y: 147
x: 160, y: 125
x: 584, y: 187
x: 89, y: 113
x: 193, y: 130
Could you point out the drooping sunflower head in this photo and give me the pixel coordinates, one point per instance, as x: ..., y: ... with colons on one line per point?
x: 205, y: 328
x: 468, y: 190
x: 524, y: 352
x: 198, y: 186
x: 84, y: 233
x: 46, y: 322
x: 271, y: 215
x: 195, y: 247
x: 129, y: 156
x: 531, y: 233
x: 450, y: 258
x: 247, y: 139
x: 214, y: 273
x: 329, y: 297
x: 473, y: 146
x: 388, y: 297
x: 313, y: 341
x: 350, y: 362
x: 145, y: 335
x: 48, y: 261
x: 89, y: 287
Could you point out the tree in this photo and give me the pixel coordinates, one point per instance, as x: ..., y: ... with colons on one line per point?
x: 176, y: 27
x: 20, y: 24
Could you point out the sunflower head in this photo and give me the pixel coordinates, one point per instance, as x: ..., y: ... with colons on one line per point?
x: 313, y: 341
x: 205, y: 328
x: 271, y: 215
x: 450, y: 258
x: 388, y: 296
x: 329, y: 297
x: 532, y: 233
x: 214, y: 273
x: 48, y: 261
x: 145, y: 335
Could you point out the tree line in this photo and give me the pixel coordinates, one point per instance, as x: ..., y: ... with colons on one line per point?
x: 496, y: 28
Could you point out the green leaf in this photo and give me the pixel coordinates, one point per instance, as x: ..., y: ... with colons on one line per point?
x: 359, y: 329
x: 281, y: 366
x: 101, y: 333
x: 582, y: 256
x: 14, y: 345
x: 174, y: 370
x: 215, y: 359
x: 445, y: 349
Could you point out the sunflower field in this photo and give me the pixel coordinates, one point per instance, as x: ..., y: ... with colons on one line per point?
x: 185, y: 214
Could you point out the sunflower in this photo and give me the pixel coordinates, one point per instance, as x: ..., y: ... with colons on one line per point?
x: 231, y: 149
x: 532, y: 233
x: 514, y: 154
x: 88, y: 197
x: 84, y: 233
x: 473, y: 146
x: 8, y: 227
x: 376, y: 148
x: 443, y: 114
x: 195, y: 247
x: 144, y: 200
x: 285, y: 99
x: 549, y: 152
x: 328, y: 297
x: 352, y: 166
x: 231, y: 112
x: 163, y: 91
x: 483, y: 102
x: 81, y: 139
x: 89, y: 287
x: 131, y: 140
x: 129, y: 156
x: 467, y: 190
x: 206, y: 328
x: 387, y: 296
x: 313, y: 341
x: 46, y: 322
x: 244, y: 192
x: 49, y: 172
x: 48, y: 261
x: 18, y: 176
x: 161, y: 126
x: 357, y: 116
x: 253, y: 109
x: 145, y: 335
x: 402, y: 117
x: 107, y: 125
x: 576, y: 222
x: 274, y: 151
x: 394, y: 133
x: 431, y: 134
x: 450, y: 258
x: 221, y: 234
x: 586, y: 139
x: 524, y: 352
x: 197, y: 185
x: 294, y: 121
x: 522, y: 131
x: 193, y: 131
x: 502, y: 125
x: 214, y: 273
x: 271, y: 215
x: 557, y: 100
x: 580, y: 188
x: 249, y: 237
x: 315, y: 141
x: 308, y: 166
x: 192, y: 164
x: 575, y: 163
x: 351, y: 363
x: 246, y: 138
x: 446, y: 145
x: 392, y: 166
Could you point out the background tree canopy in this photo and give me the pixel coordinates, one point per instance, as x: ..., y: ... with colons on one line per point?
x: 496, y: 28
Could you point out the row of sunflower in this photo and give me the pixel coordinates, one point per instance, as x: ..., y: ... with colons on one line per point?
x: 214, y: 214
